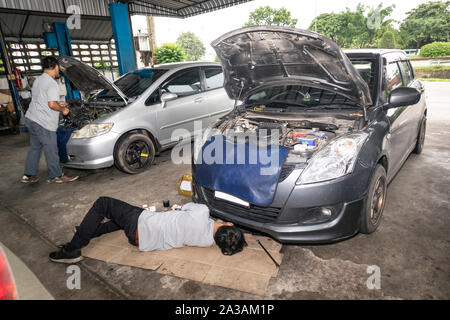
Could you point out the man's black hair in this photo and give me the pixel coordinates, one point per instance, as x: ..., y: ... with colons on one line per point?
x: 230, y: 240
x: 49, y: 63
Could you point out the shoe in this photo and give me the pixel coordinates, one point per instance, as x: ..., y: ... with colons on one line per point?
x: 64, y: 178
x: 29, y: 179
x: 64, y: 256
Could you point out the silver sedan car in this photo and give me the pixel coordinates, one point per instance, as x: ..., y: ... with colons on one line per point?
x: 126, y: 122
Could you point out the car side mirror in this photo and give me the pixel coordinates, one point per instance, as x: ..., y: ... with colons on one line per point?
x: 403, y: 97
x: 167, y: 96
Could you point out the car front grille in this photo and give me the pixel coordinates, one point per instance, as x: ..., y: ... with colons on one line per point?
x: 254, y: 212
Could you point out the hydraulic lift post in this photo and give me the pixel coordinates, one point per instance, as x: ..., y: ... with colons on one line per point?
x: 123, y: 37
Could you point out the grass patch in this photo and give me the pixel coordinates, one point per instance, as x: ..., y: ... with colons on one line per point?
x: 434, y: 80
x: 432, y: 68
x: 427, y: 58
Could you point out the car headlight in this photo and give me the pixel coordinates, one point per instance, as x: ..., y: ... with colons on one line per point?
x: 335, y: 160
x: 92, y: 130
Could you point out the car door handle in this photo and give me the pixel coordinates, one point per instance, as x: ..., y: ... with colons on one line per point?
x: 198, y: 100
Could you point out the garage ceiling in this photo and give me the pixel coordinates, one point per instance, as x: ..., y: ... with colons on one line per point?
x: 25, y: 18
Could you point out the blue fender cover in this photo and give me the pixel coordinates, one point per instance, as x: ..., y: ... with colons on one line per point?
x: 222, y: 166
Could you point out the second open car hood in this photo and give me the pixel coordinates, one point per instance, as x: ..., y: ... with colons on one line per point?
x: 86, y: 78
x: 261, y: 55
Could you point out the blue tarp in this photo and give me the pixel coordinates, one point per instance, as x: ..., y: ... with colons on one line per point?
x: 63, y: 135
x: 253, y: 179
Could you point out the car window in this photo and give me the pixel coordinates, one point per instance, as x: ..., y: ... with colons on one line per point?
x: 185, y: 84
x: 393, y: 78
x: 154, y: 98
x: 213, y: 78
x: 406, y: 72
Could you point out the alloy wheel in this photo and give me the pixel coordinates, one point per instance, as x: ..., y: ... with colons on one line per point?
x: 137, y: 154
x: 378, y: 199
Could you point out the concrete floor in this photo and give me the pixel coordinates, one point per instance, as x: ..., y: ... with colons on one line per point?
x: 412, y: 246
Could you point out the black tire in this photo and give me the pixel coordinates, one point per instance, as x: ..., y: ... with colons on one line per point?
x: 375, y: 201
x: 421, y: 137
x: 134, y: 153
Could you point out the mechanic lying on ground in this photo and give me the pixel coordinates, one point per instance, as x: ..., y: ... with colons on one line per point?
x: 190, y: 226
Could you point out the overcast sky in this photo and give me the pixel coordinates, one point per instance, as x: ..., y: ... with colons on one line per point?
x: 212, y: 25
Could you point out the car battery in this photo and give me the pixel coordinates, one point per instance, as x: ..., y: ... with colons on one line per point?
x: 309, y: 139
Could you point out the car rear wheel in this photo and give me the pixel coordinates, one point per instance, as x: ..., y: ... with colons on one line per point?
x: 376, y: 198
x: 421, y: 137
x: 134, y: 153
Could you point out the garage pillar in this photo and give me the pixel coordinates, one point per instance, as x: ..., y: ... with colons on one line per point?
x: 10, y: 76
x: 123, y: 37
x: 65, y: 49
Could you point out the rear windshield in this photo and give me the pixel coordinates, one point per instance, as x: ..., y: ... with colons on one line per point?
x: 133, y: 84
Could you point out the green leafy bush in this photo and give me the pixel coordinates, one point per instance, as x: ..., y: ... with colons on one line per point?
x: 169, y: 52
x: 387, y: 41
x: 435, y: 50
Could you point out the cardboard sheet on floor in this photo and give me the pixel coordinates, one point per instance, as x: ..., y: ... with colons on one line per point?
x: 247, y: 271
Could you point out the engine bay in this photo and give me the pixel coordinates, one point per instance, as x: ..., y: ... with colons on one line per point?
x: 303, y: 135
x: 83, y: 113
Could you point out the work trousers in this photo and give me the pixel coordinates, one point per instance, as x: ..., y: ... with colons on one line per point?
x: 41, y: 138
x: 121, y: 215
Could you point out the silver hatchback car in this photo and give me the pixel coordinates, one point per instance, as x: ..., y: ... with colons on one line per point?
x: 126, y: 122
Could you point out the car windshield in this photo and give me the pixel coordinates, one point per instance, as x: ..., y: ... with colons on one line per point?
x: 294, y: 96
x: 134, y: 83
x: 365, y: 69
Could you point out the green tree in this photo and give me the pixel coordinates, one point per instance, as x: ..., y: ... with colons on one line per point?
x: 192, y: 45
x: 169, y: 52
x: 360, y: 28
x: 271, y: 17
x: 387, y: 41
x: 331, y: 25
x: 427, y: 23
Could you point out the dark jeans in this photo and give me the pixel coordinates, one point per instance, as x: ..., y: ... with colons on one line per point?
x: 121, y: 215
x: 41, y: 138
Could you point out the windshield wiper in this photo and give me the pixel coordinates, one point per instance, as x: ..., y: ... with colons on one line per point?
x: 268, y: 102
x: 328, y: 107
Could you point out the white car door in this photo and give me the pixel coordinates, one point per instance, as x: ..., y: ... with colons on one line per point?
x: 182, y: 112
x: 219, y: 104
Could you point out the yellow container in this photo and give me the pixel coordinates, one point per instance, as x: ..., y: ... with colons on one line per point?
x: 185, y: 187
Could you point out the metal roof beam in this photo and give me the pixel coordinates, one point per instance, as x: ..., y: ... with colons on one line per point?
x: 149, y: 5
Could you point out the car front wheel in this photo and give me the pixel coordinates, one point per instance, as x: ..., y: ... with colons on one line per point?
x: 376, y: 198
x: 134, y: 153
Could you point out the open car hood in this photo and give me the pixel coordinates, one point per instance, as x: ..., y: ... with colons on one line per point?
x: 261, y: 55
x: 86, y: 78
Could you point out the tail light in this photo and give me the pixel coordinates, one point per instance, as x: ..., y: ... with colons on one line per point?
x: 7, y: 286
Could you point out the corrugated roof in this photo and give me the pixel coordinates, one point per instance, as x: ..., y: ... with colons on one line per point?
x: 167, y: 8
x: 95, y: 19
x: 14, y: 26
